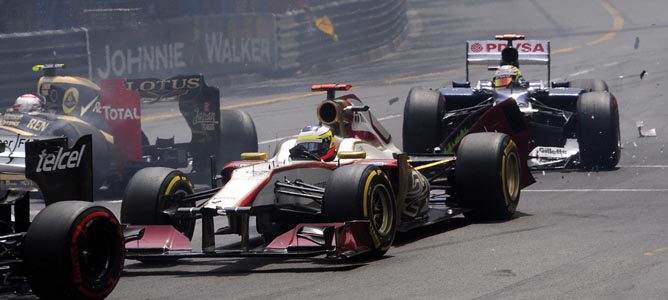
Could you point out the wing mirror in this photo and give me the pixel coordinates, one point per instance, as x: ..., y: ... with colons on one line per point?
x: 254, y: 156
x: 461, y: 84
x: 561, y: 84
x: 352, y: 155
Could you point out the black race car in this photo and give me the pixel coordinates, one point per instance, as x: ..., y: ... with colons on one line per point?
x: 575, y: 124
x: 112, y: 113
x: 73, y: 249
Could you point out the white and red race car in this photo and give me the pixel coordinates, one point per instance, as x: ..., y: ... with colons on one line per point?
x: 351, y: 205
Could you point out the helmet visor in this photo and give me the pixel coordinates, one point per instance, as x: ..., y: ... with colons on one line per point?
x: 503, y: 81
x: 318, y: 147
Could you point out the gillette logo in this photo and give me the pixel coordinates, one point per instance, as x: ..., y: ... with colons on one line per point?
x: 60, y: 161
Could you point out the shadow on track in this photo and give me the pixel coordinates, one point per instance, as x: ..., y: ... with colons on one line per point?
x: 574, y: 170
x: 411, y: 236
x: 240, y: 267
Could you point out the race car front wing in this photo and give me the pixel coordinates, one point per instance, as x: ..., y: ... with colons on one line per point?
x: 335, y: 240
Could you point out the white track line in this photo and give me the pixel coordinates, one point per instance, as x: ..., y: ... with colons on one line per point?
x: 596, y: 190
x: 271, y: 141
x: 280, y: 138
x: 610, y: 64
x: 388, y: 117
x: 644, y: 166
x: 585, y: 71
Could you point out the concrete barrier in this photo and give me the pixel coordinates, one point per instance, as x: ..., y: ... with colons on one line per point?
x: 20, y: 51
x: 223, y: 45
x: 360, y: 26
x: 212, y: 45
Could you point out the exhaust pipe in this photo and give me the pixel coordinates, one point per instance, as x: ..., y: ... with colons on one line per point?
x: 329, y: 112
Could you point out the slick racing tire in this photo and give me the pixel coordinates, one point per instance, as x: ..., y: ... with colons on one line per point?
x: 144, y: 139
x: 73, y: 250
x: 144, y: 200
x: 488, y: 173
x: 237, y: 135
x: 101, y: 147
x: 589, y: 85
x: 598, y: 130
x: 422, y: 120
x: 362, y: 192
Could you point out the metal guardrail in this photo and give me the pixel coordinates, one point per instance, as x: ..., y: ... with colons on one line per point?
x: 361, y: 26
x: 216, y: 45
x: 20, y: 51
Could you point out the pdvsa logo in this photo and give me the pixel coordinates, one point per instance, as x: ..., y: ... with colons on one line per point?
x: 60, y: 161
x: 521, y: 47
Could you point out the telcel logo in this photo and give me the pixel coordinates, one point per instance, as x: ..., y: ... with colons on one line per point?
x: 60, y: 161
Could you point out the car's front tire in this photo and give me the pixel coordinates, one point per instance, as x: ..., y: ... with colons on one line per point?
x: 421, y: 131
x: 362, y: 192
x: 488, y: 175
x: 598, y: 131
x: 73, y: 250
x: 589, y: 85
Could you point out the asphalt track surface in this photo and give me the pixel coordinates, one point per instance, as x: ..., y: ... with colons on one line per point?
x: 577, y: 235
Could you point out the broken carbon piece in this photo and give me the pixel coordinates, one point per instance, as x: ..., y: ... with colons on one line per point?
x: 645, y: 132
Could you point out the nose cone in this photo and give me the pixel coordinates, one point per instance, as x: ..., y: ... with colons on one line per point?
x: 520, y: 97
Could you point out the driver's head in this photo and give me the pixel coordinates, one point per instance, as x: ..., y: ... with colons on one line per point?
x: 27, y: 103
x: 318, y: 140
x: 506, y: 75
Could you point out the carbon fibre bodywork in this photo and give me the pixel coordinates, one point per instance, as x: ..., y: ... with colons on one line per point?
x: 112, y: 113
x: 550, y: 111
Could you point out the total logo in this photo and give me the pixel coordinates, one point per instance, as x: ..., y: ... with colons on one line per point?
x: 121, y: 113
x: 61, y: 161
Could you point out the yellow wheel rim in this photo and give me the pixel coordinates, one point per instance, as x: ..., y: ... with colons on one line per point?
x: 381, y: 214
x: 512, y: 176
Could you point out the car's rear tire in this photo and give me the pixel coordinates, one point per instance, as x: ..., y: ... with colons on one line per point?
x: 362, y: 192
x: 144, y: 202
x: 144, y: 139
x: 589, y: 85
x: 488, y: 175
x: 598, y: 130
x: 237, y: 135
x: 101, y: 147
x: 423, y: 111
x: 73, y: 250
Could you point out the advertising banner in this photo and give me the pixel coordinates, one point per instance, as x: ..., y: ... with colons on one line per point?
x: 215, y: 45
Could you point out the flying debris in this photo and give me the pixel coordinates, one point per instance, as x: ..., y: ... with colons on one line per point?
x: 642, y: 132
x: 642, y: 74
x: 393, y: 100
x: 635, y: 46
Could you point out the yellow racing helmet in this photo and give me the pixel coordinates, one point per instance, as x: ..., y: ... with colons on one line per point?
x: 506, y: 75
x: 317, y: 140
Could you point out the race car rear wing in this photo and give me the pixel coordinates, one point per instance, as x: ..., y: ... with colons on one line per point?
x: 199, y: 105
x: 486, y: 52
x: 60, y: 172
